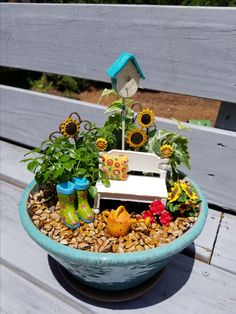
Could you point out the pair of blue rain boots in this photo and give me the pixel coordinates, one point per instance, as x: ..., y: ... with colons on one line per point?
x: 70, y: 213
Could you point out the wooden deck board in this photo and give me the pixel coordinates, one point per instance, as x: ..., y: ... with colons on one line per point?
x: 224, y: 255
x: 18, y: 295
x: 205, y: 242
x: 11, y: 169
x: 184, y: 279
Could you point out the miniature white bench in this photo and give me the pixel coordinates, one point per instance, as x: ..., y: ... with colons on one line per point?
x: 140, y: 188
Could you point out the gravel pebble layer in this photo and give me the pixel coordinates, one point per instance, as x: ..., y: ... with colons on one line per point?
x: 93, y: 237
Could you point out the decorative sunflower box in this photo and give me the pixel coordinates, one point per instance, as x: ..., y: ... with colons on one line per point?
x: 109, y: 203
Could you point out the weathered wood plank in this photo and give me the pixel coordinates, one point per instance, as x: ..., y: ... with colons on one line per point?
x: 35, y: 115
x: 180, y: 49
x: 184, y: 279
x: 11, y: 169
x: 224, y: 255
x: 29, y: 117
x: 203, y: 245
x: 21, y: 296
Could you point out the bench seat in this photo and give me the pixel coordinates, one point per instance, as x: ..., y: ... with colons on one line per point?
x: 141, y: 188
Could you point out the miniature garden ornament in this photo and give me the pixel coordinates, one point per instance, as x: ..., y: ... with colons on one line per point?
x: 66, y: 196
x: 125, y: 74
x: 84, y: 210
x: 119, y: 221
x: 67, y: 193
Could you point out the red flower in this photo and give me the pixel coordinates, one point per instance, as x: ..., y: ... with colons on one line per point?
x: 117, y: 164
x: 157, y: 207
x: 165, y: 218
x: 149, y: 214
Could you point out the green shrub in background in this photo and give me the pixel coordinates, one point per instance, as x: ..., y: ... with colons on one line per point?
x: 213, y: 3
x: 63, y: 83
x: 43, y: 82
x: 210, y: 3
x: 17, y: 77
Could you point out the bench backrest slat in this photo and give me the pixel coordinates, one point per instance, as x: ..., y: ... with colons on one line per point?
x: 28, y: 117
x: 144, y: 162
x: 186, y: 50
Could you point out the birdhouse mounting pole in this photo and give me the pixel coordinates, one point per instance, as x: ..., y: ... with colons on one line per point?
x: 123, y: 123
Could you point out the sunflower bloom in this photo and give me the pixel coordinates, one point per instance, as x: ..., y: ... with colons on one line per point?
x: 70, y: 127
x: 166, y: 151
x: 175, y: 192
x: 145, y: 118
x: 136, y: 138
x: 187, y: 189
x: 101, y: 144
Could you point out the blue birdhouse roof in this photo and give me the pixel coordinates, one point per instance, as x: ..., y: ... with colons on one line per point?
x: 121, y: 62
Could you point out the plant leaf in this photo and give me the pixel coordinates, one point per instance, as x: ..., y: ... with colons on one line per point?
x: 58, y: 172
x: 65, y: 158
x: 106, y: 92
x: 32, y: 165
x: 92, y: 191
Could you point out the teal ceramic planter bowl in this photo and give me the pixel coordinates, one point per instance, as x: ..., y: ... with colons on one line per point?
x: 111, y: 271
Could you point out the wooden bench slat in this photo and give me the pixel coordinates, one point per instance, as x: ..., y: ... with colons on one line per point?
x: 35, y: 115
x: 21, y: 296
x: 11, y: 169
x: 186, y: 50
x: 224, y: 254
x: 184, y: 278
x: 205, y: 242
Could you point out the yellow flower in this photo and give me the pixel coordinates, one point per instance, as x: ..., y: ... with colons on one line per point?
x: 101, y: 143
x: 145, y: 118
x: 187, y: 189
x: 166, y: 151
x: 70, y: 127
x: 175, y: 192
x: 136, y: 138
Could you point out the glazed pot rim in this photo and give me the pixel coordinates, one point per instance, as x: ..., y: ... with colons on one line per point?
x: 115, y: 259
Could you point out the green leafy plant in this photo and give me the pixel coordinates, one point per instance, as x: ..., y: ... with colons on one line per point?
x: 179, y: 149
x: 60, y: 160
x: 157, y: 140
x: 67, y: 85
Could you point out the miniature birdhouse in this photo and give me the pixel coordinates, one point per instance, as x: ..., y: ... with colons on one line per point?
x: 125, y: 74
